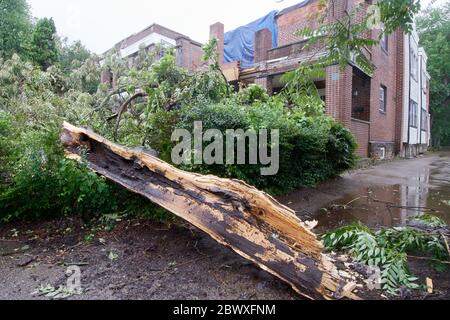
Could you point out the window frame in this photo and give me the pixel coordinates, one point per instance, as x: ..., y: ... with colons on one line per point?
x: 414, y: 61
x: 382, y: 107
x: 424, y: 120
x: 384, y: 42
x: 424, y: 81
x: 413, y: 114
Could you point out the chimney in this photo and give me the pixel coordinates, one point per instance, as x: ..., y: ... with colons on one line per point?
x: 263, y: 43
x: 217, y: 31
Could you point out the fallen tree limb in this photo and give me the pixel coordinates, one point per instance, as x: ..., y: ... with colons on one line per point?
x: 123, y: 108
x: 236, y: 215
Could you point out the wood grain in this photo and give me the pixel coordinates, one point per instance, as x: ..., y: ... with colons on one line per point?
x: 236, y: 215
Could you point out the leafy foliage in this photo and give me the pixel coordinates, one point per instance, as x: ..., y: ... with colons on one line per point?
x: 36, y: 180
x: 398, y: 14
x: 253, y: 93
x: 322, y: 148
x: 72, y: 55
x: 433, y: 26
x: 54, y: 185
x: 345, y: 39
x: 15, y: 27
x: 387, y: 249
x: 301, y: 91
x: 43, y: 46
x: 430, y: 221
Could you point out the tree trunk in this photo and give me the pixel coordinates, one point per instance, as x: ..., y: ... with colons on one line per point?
x: 236, y: 215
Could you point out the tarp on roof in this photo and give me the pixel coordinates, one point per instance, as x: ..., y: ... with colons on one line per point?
x: 240, y: 43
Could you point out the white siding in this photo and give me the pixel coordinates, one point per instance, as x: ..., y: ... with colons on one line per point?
x: 154, y: 38
x: 413, y: 90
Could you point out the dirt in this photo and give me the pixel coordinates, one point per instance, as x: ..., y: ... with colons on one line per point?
x: 150, y: 261
x: 141, y: 259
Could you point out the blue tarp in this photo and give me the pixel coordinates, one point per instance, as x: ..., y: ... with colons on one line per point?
x: 240, y: 43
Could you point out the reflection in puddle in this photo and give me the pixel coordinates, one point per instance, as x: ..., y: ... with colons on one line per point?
x: 390, y: 206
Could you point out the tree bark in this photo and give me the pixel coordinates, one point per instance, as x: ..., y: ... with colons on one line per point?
x: 236, y: 215
x: 123, y: 108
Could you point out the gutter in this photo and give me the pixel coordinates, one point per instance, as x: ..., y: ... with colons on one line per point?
x: 409, y: 97
x: 421, y: 99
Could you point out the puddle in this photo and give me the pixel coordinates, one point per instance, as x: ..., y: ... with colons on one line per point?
x: 388, y: 195
x: 391, y: 205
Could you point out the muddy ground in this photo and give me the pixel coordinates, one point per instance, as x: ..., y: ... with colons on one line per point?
x: 145, y: 260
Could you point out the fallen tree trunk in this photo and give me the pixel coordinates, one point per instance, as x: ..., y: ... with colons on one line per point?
x: 236, y: 215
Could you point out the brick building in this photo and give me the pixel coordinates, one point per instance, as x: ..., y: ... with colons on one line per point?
x: 388, y: 112
x: 188, y: 52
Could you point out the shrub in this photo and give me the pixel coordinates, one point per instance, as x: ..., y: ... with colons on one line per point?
x: 252, y: 94
x: 312, y: 149
x: 341, y: 147
x: 6, y: 148
x: 45, y: 184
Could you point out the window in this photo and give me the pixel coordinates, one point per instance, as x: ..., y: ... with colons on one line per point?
x: 414, y: 65
x: 385, y: 42
x: 383, y: 99
x: 413, y: 121
x: 383, y: 153
x: 424, y: 81
x: 424, y: 124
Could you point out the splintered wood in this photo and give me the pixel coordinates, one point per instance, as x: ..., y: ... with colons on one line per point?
x: 236, y: 215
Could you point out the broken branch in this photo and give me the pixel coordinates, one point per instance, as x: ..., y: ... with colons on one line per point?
x: 123, y: 109
x: 236, y: 215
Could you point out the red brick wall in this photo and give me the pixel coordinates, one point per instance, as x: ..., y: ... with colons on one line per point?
x: 339, y: 93
x: 217, y: 31
x: 361, y: 131
x: 384, y: 124
x: 399, y: 88
x: 295, y: 20
x: 263, y: 43
x: 189, y: 54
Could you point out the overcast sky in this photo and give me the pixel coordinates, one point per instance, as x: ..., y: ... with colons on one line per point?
x: 99, y: 24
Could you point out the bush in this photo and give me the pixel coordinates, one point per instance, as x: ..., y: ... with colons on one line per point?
x: 6, y: 148
x: 312, y: 149
x: 252, y: 94
x: 45, y: 184
x: 37, y: 181
x: 341, y: 147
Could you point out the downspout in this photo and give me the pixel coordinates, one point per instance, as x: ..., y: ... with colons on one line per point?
x: 409, y: 97
x: 421, y: 101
